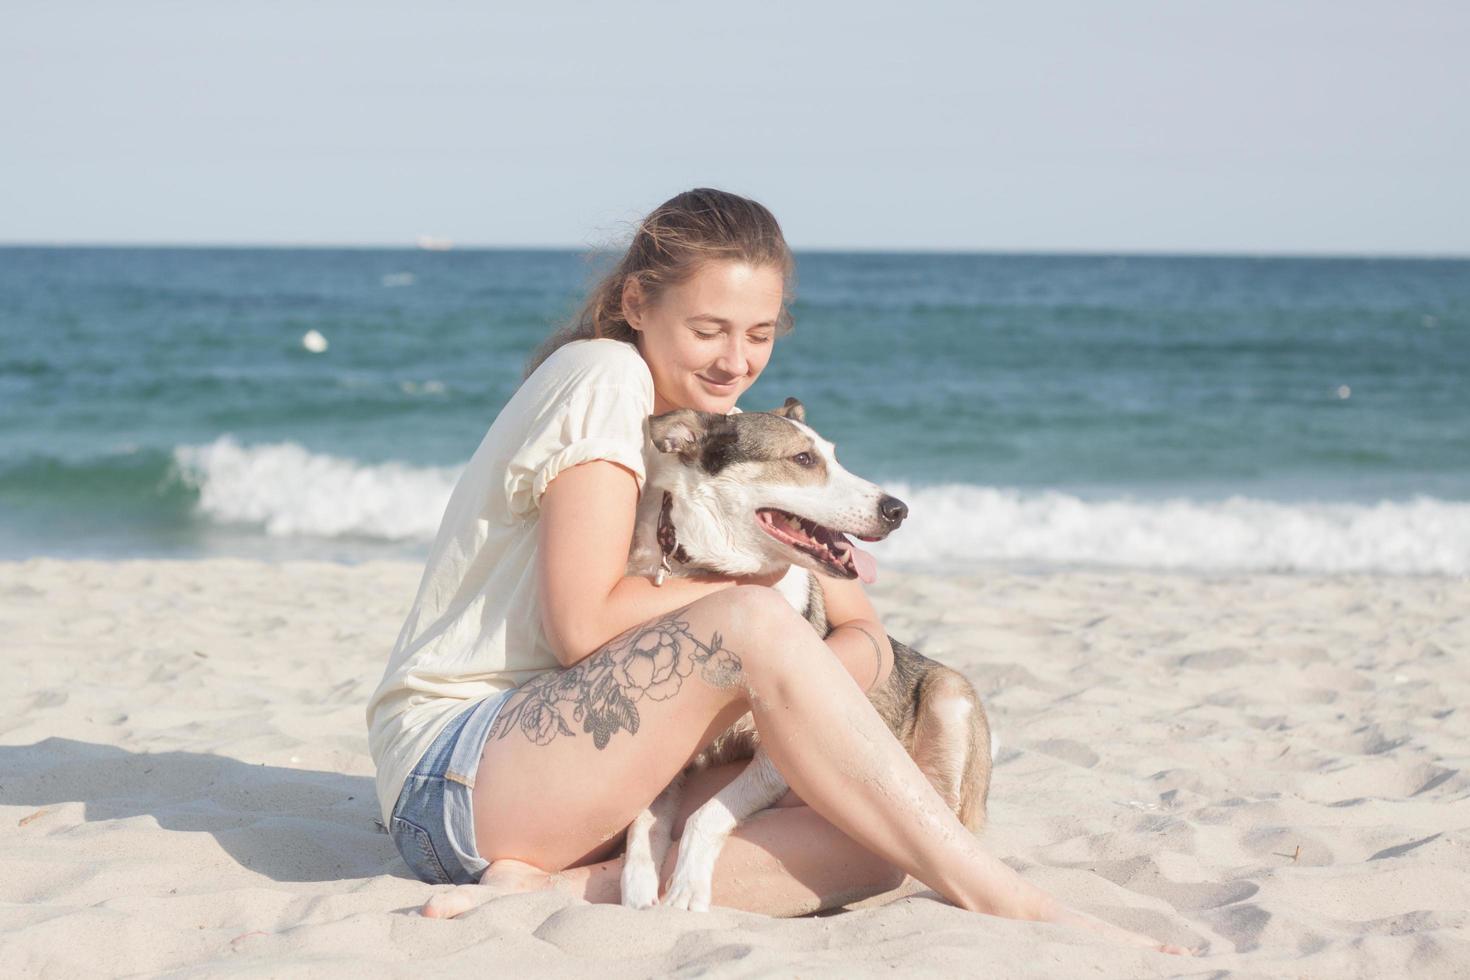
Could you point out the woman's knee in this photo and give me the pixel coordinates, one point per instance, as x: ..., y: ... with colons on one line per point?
x: 764, y: 633
x: 756, y: 614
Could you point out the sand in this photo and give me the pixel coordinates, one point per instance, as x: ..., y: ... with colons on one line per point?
x: 1272, y: 768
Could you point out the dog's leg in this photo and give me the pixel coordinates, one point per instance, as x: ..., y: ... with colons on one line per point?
x: 640, y: 874
x: 952, y: 743
x: 975, y: 789
x: 757, y: 787
x: 665, y: 809
x: 648, y: 841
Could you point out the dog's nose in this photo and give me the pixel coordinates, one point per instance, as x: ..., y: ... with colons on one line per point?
x: 893, y: 510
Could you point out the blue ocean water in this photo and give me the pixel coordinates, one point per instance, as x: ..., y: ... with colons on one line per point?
x: 1166, y: 412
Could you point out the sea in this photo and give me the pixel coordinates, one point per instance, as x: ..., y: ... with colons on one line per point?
x: 1210, y: 414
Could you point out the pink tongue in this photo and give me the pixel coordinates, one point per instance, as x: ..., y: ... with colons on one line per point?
x: 866, y: 565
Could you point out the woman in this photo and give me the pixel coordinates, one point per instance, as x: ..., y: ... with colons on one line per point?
x: 538, y: 699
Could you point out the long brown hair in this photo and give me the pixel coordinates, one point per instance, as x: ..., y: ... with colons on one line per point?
x: 669, y: 245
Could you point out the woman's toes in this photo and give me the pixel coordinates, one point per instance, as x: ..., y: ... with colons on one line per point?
x: 457, y: 901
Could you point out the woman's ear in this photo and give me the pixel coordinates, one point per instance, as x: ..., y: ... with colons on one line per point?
x: 633, y: 302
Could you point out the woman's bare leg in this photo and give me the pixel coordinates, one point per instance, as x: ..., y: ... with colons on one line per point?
x: 576, y: 754
x: 784, y: 861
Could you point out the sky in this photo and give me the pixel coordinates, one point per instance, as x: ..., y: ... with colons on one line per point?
x: 1075, y: 126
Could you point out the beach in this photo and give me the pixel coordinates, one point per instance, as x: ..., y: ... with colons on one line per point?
x: 1270, y: 768
x: 1157, y: 354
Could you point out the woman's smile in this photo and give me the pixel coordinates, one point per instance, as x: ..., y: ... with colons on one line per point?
x: 708, y: 338
x: 719, y: 387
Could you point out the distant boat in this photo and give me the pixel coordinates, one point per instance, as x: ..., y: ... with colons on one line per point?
x: 431, y: 244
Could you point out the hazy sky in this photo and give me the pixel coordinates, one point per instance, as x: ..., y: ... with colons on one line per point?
x: 1237, y: 126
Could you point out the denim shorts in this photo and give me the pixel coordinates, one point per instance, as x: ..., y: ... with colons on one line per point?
x: 433, y: 822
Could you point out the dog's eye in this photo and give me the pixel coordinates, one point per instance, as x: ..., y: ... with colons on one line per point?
x: 803, y: 459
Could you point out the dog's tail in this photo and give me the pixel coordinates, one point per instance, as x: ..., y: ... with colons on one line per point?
x: 952, y: 743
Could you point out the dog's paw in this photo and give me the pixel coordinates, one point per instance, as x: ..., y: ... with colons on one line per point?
x: 686, y: 897
x: 640, y: 885
x: 690, y: 886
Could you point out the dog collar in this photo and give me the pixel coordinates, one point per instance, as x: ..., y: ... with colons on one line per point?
x: 668, y: 542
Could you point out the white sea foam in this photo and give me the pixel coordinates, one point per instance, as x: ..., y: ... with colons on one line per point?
x: 963, y: 524
x: 288, y: 491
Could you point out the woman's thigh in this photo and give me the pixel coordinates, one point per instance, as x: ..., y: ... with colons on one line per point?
x: 576, y: 754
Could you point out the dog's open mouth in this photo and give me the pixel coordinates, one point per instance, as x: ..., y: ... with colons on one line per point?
x: 830, y: 548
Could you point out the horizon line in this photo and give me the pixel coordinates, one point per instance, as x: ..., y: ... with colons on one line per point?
x: 410, y: 246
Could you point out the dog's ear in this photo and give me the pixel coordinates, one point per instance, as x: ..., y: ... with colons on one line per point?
x: 792, y: 410
x: 680, y: 431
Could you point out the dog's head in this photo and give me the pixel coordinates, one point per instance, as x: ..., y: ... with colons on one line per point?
x: 759, y: 491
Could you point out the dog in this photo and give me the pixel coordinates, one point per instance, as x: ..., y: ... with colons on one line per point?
x: 749, y: 494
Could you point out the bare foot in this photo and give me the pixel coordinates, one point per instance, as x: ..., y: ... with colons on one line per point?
x: 504, y: 877
x: 1081, y: 920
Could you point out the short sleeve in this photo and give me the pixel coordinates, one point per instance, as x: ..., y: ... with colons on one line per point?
x: 594, y: 416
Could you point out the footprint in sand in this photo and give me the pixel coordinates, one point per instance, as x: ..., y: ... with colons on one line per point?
x: 1241, y: 924
x: 1068, y: 751
x: 1213, y: 659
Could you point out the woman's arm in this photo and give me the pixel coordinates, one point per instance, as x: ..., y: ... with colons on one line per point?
x: 856, y: 637
x: 583, y: 536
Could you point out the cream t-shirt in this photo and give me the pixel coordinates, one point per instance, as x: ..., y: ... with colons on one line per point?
x: 475, y: 626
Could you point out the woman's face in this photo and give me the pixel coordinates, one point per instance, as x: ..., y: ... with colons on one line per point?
x: 708, y: 339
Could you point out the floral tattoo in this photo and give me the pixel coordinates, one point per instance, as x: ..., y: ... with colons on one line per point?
x: 601, y: 693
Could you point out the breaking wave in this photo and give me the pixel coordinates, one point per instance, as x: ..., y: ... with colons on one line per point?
x: 960, y: 524
x: 286, y: 490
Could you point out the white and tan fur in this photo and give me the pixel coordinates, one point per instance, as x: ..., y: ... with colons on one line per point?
x: 718, y: 472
